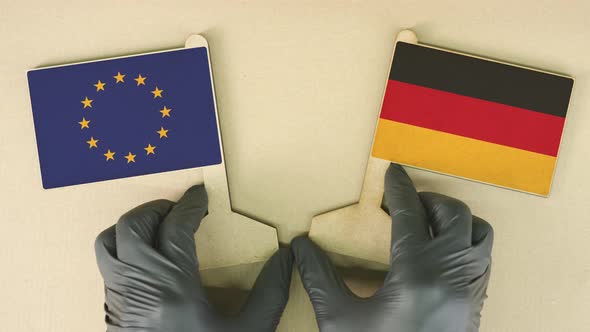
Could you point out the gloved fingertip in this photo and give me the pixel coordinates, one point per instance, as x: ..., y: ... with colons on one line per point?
x: 285, y: 261
x: 286, y: 257
x: 191, y: 207
x: 299, y: 241
x: 398, y: 167
x: 196, y: 187
x: 300, y: 245
x: 285, y: 253
x: 396, y: 170
x: 282, y: 259
x: 270, y: 294
x: 196, y: 194
x: 481, y: 230
x: 482, y: 236
x: 106, y: 240
x: 307, y: 253
x: 399, y: 191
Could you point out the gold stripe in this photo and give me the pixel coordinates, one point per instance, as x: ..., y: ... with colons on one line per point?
x: 465, y: 157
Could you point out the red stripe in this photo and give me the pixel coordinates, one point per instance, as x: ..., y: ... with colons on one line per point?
x: 472, y: 117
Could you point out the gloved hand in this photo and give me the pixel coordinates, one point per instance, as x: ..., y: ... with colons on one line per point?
x: 150, y: 269
x: 437, y: 281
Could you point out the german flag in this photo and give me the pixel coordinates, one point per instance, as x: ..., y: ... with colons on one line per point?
x: 471, y: 117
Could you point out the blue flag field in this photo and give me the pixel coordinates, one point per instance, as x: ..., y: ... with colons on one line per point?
x: 124, y: 117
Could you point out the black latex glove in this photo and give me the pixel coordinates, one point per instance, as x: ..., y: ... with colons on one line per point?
x: 150, y: 269
x: 437, y: 282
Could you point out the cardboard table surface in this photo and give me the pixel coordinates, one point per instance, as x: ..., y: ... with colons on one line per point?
x: 299, y: 89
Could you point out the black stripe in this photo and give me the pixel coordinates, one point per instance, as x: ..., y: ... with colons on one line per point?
x: 483, y: 79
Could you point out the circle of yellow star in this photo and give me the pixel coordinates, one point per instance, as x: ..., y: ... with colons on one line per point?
x: 119, y: 77
x: 99, y: 86
x: 140, y: 80
x: 157, y: 92
x: 150, y: 149
x: 87, y: 102
x: 163, y: 132
x: 165, y: 112
x: 84, y: 123
x: 92, y: 143
x: 110, y: 155
x: 130, y: 158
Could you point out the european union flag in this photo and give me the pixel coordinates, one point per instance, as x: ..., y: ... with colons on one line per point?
x: 124, y: 117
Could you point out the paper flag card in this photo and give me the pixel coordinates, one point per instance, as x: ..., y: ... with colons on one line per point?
x: 126, y: 116
x: 471, y: 117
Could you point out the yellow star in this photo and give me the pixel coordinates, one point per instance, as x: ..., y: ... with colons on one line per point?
x: 87, y: 102
x: 157, y: 93
x: 163, y: 132
x: 99, y: 86
x: 84, y: 123
x: 130, y: 158
x: 165, y: 112
x: 92, y: 143
x: 119, y: 77
x: 110, y: 155
x: 140, y: 80
x: 150, y: 149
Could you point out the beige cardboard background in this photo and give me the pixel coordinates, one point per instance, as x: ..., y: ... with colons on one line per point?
x: 298, y: 87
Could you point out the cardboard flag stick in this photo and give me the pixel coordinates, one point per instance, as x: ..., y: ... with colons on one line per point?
x: 361, y: 230
x: 226, y: 238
